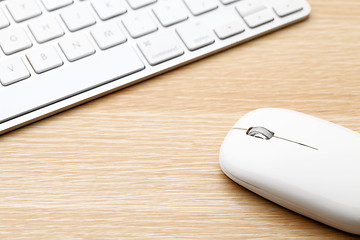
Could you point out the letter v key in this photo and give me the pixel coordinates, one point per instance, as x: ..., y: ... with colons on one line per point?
x: 12, y: 70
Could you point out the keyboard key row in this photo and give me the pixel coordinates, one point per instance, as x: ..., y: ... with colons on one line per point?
x: 14, y: 40
x: 44, y: 59
x: 23, y: 10
x: 157, y: 48
x: 168, y: 12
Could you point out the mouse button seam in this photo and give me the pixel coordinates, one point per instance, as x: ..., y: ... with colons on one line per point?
x: 296, y: 142
x: 239, y: 128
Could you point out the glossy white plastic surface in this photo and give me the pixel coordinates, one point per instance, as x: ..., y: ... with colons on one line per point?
x: 320, y: 180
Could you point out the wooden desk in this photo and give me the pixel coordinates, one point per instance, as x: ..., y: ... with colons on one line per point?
x: 143, y: 162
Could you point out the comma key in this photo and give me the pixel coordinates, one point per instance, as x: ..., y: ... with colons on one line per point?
x: 160, y: 47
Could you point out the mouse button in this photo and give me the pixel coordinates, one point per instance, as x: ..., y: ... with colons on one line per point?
x: 272, y: 119
x: 287, y: 124
x: 250, y: 153
x: 246, y: 153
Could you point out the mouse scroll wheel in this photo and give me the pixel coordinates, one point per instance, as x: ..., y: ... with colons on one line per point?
x: 260, y: 132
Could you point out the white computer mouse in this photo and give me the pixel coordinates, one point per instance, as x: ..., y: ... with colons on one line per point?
x: 303, y: 163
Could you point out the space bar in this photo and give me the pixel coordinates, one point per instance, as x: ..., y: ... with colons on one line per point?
x: 66, y: 81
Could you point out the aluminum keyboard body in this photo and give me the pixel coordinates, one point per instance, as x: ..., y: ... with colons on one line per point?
x: 56, y: 54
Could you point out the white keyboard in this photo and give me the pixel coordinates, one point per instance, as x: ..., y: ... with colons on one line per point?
x: 56, y: 54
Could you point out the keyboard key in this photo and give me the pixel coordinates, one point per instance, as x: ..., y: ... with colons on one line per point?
x: 170, y: 12
x: 198, y: 7
x: 77, y: 18
x: 107, y: 9
x: 14, y: 40
x: 22, y: 10
x: 75, y: 78
x: 52, y: 5
x: 76, y: 47
x: 287, y: 7
x: 160, y: 47
x: 229, y: 29
x: 4, y: 22
x: 139, y: 25
x: 135, y: 4
x: 248, y: 7
x: 44, y: 59
x: 12, y: 70
x: 195, y: 36
x: 259, y: 18
x: 228, y: 1
x: 108, y: 35
x: 46, y: 29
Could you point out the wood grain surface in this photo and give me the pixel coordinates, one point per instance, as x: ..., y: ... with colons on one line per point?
x: 142, y: 163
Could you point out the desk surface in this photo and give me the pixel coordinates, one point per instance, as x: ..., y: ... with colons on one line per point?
x: 143, y: 162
